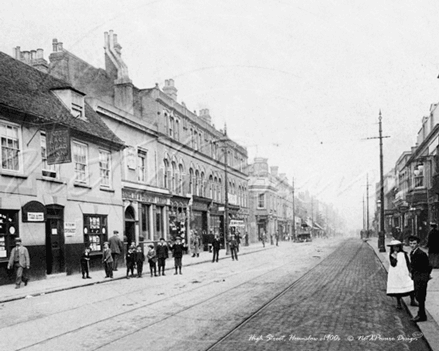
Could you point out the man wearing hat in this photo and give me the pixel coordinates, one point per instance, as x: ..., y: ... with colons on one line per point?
x: 162, y: 254
x: 420, y: 271
x: 19, y: 260
x: 116, y: 248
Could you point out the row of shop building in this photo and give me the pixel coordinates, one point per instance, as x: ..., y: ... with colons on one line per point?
x: 84, y: 152
x: 411, y: 187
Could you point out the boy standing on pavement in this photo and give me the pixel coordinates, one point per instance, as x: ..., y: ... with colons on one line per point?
x: 215, y: 248
x: 420, y: 271
x: 233, y: 246
x: 178, y: 249
x: 108, y: 261
x: 19, y: 260
x: 140, y: 258
x: 85, y: 259
x: 162, y: 254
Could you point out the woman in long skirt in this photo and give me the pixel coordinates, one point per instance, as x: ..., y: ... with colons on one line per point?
x: 399, y: 281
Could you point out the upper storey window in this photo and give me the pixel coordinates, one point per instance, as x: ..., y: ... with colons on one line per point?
x: 73, y: 100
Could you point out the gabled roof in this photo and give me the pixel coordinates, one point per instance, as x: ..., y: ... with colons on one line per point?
x: 28, y: 90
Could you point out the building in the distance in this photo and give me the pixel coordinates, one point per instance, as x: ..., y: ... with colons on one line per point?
x: 270, y: 202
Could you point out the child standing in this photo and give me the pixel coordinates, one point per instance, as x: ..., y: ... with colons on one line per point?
x: 130, y: 259
x: 152, y: 259
x: 108, y: 261
x: 85, y: 258
x: 178, y: 247
x: 140, y: 258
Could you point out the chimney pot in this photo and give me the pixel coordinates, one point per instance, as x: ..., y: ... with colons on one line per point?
x: 26, y: 56
x: 33, y: 55
x: 40, y: 53
x: 17, y: 53
x: 54, y: 45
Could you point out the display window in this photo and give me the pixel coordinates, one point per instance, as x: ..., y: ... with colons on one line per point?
x: 95, y: 231
x: 8, y: 232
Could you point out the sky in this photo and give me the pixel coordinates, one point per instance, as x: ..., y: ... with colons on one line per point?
x: 298, y: 82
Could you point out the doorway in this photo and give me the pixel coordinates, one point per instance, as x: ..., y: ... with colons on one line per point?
x: 55, y: 239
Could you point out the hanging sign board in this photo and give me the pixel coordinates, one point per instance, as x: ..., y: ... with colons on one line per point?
x: 236, y: 223
x: 58, y: 146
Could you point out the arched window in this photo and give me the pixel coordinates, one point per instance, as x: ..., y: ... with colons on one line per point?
x: 219, y: 190
x: 175, y: 177
x: 202, y: 184
x: 197, y: 183
x: 166, y: 174
x: 180, y: 190
x: 211, y: 193
x: 191, y: 181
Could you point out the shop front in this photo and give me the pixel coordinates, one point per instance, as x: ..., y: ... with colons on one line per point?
x: 145, y: 216
x: 199, y: 220
x: 216, y: 223
x: 178, y: 218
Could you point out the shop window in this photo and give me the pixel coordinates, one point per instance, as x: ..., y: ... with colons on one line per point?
x: 95, y: 231
x: 145, y: 221
x: 261, y: 200
x: 8, y: 232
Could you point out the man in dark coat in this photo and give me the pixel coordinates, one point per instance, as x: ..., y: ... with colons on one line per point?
x: 162, y: 254
x: 433, y: 246
x: 215, y: 248
x: 420, y: 271
x: 233, y: 246
x: 116, y: 248
x: 178, y: 248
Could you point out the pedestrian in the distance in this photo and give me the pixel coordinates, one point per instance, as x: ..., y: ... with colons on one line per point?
x: 238, y: 239
x: 107, y: 259
x: 130, y: 261
x: 433, y: 246
x: 399, y: 282
x: 194, y: 244
x: 420, y: 271
x: 178, y: 248
x: 215, y: 248
x: 162, y: 254
x: 20, y: 261
x: 140, y: 258
x: 152, y: 259
x: 263, y: 238
x: 116, y: 247
x: 85, y: 263
x: 233, y: 247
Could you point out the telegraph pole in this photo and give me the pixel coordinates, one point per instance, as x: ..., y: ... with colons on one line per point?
x: 381, y: 238
x: 293, y: 208
x: 368, y: 209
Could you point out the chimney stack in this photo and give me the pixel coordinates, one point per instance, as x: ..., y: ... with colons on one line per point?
x: 204, y: 114
x: 34, y: 58
x: 170, y: 89
x: 274, y: 170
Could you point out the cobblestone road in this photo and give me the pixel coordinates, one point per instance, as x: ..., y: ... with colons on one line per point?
x: 341, y: 304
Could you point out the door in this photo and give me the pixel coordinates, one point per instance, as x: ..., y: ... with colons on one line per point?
x: 54, y: 239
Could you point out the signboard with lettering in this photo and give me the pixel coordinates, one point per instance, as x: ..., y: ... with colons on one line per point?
x: 58, y: 146
x: 33, y: 211
x: 236, y: 223
x: 69, y: 228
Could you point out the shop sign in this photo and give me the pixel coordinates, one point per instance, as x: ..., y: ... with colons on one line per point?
x: 33, y: 211
x: 35, y: 217
x: 69, y: 228
x: 221, y: 208
x: 143, y: 197
x: 236, y: 223
x: 58, y: 146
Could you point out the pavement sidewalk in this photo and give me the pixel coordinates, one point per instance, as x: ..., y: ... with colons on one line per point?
x: 430, y: 328
x: 60, y: 282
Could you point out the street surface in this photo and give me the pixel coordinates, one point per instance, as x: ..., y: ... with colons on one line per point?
x: 335, y: 297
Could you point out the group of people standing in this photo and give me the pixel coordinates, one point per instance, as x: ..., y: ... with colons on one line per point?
x: 409, y: 275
